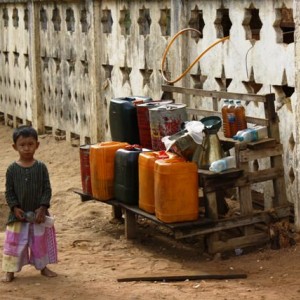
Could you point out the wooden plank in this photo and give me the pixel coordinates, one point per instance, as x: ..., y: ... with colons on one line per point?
x: 257, y: 121
x: 249, y: 155
x: 172, y: 278
x: 84, y: 197
x: 230, y: 173
x: 262, y: 144
x: 235, y: 222
x: 200, y: 222
x: 208, y: 113
x: 215, y: 184
x: 240, y: 242
x: 217, y: 94
x: 203, y: 112
x: 264, y: 175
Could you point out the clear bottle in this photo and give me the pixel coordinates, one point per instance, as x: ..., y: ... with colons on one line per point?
x: 223, y: 164
x: 30, y: 217
x: 226, y: 128
x: 231, y: 117
x: 240, y: 115
x: 253, y: 134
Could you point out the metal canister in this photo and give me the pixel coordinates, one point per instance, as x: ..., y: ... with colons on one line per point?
x: 144, y: 123
x: 165, y: 120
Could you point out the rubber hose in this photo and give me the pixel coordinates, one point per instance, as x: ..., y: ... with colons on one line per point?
x: 194, y: 62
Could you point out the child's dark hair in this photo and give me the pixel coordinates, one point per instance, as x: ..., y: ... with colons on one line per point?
x: 25, y: 131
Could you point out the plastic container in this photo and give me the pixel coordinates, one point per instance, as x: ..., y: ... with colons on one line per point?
x: 223, y: 164
x: 126, y: 183
x: 30, y: 217
x: 231, y: 117
x: 102, y: 161
x: 84, y: 152
x: 123, y: 119
x: 144, y: 122
x: 146, y: 178
x: 165, y: 120
x: 226, y: 128
x: 240, y: 115
x: 176, y: 190
x: 252, y: 134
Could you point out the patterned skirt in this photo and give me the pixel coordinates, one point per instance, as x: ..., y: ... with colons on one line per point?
x: 27, y: 243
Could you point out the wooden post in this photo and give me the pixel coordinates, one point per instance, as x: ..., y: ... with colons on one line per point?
x: 245, y: 196
x: 35, y: 67
x: 212, y: 212
x: 279, y: 188
x: 130, y: 224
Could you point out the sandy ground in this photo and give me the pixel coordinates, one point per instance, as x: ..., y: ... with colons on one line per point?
x: 93, y: 253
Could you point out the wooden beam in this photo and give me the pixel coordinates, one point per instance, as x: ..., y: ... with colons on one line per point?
x: 168, y: 278
x: 264, y: 175
x: 209, y: 113
x: 235, y: 222
x: 216, y: 94
x: 240, y: 242
x: 249, y: 155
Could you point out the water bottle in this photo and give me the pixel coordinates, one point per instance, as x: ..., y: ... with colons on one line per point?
x: 252, y: 134
x: 30, y: 217
x: 223, y: 164
x: 240, y: 133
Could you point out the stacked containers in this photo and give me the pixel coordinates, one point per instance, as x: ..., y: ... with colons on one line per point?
x: 123, y: 119
x: 126, y: 184
x: 165, y: 120
x: 102, y: 158
x: 176, y: 190
x: 84, y: 154
x: 144, y: 122
x: 146, y: 178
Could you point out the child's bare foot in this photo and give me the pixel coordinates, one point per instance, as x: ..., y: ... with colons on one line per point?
x: 9, y: 277
x: 48, y: 273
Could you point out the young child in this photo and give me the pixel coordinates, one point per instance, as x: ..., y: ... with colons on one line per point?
x: 28, y: 189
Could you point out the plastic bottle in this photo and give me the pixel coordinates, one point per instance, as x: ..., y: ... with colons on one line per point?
x: 30, y: 217
x: 240, y: 132
x: 253, y: 134
x: 226, y: 128
x: 240, y: 115
x: 231, y: 118
x: 223, y: 164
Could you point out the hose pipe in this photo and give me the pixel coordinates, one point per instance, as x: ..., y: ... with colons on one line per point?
x: 194, y: 62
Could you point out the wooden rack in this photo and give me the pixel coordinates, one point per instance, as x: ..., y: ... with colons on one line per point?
x: 245, y: 153
x: 212, y: 225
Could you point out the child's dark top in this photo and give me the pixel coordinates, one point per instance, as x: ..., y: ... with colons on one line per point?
x: 27, y: 188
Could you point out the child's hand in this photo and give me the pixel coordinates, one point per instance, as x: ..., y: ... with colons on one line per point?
x: 19, y: 213
x: 40, y: 214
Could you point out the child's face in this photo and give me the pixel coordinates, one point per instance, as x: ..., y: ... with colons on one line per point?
x: 26, y: 146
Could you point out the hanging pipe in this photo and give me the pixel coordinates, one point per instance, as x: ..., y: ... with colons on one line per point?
x: 194, y: 62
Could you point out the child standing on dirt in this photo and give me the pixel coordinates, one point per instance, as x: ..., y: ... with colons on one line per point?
x: 28, y: 189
